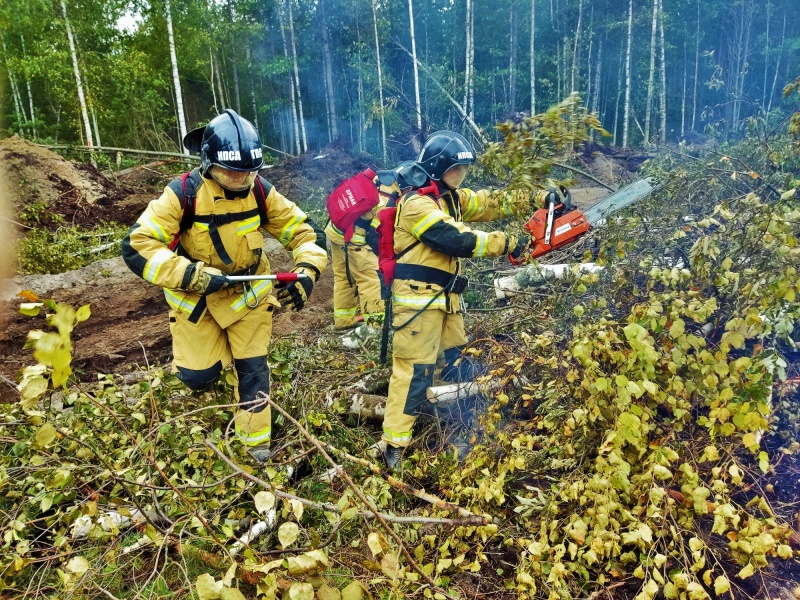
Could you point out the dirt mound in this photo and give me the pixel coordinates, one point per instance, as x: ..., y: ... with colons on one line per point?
x: 309, y: 178
x: 44, y: 186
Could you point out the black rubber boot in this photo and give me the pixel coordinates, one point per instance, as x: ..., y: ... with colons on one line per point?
x: 392, y: 456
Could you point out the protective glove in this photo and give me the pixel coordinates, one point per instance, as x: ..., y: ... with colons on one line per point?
x: 293, y: 295
x: 521, y: 248
x: 207, y: 280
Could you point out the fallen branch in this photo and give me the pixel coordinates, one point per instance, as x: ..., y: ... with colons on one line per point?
x: 585, y: 174
x: 326, y: 506
x: 411, y: 562
x: 470, y: 518
x: 537, y: 274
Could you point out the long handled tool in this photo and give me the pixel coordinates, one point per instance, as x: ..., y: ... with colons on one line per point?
x: 250, y: 297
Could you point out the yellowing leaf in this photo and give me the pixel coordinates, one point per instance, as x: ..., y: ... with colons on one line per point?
x: 721, y: 585
x: 227, y: 593
x: 349, y: 513
x: 784, y: 551
x: 287, y: 533
x: 30, y: 309
x: 297, y: 508
x: 78, y: 565
x: 207, y: 587
x: 264, y: 501
x: 45, y: 435
x: 390, y: 565
x: 661, y: 473
x: 299, y: 591
x: 310, y: 561
x: 354, y: 591
x: 747, y: 571
x: 377, y: 543
x: 325, y: 592
x: 83, y: 313
x: 677, y: 328
x: 28, y: 295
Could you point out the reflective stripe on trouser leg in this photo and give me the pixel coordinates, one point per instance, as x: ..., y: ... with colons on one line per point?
x: 249, y: 340
x: 416, y: 347
x: 345, y: 302
x: 200, y: 350
x: 364, y: 271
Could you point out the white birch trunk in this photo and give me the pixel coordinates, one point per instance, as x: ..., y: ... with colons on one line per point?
x: 414, y: 58
x: 663, y: 73
x: 683, y: 97
x: 30, y: 94
x: 766, y: 61
x: 696, y: 69
x: 597, y: 73
x: 253, y: 106
x: 297, y: 79
x: 627, y: 109
x: 235, y: 62
x: 533, y: 57
x: 575, y: 49
x: 213, y: 87
x: 15, y: 95
x: 559, y: 94
x: 96, y: 128
x: 649, y: 105
x: 616, y: 103
x: 326, y: 50
x: 175, y: 79
x: 512, y: 62
x: 466, y: 56
x: 380, y: 79
x: 471, y: 111
x: 76, y: 71
x: 295, y: 124
x: 777, y: 65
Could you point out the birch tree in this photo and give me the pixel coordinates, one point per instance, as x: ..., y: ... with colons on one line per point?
x: 696, y: 68
x: 176, y: 80
x: 414, y: 59
x: 380, y: 77
x: 663, y: 95
x: 301, y: 118
x: 74, y: 54
x: 469, y: 59
x: 295, y: 123
x: 651, y: 78
x: 575, y: 50
x: 28, y: 85
x: 512, y: 62
x: 326, y: 50
x: 628, y: 77
x: 533, y: 57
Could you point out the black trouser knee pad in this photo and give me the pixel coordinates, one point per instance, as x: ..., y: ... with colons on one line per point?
x: 200, y: 380
x: 421, y: 380
x: 253, y: 376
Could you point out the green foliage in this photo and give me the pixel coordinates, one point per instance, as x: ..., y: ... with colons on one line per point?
x: 67, y: 248
x: 794, y: 121
x: 529, y: 148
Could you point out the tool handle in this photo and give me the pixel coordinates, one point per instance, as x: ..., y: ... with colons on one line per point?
x: 285, y: 277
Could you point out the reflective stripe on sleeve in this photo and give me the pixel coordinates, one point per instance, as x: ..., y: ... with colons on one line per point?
x: 507, y: 208
x: 472, y: 206
x: 425, y: 223
x: 153, y: 266
x: 287, y: 233
x: 309, y: 247
x: 155, y: 228
x: 178, y: 301
x: 345, y: 312
x: 480, y: 243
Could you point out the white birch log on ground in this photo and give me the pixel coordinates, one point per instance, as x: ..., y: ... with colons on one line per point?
x: 533, y: 275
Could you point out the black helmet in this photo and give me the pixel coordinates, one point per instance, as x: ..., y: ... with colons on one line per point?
x: 229, y: 141
x: 442, y: 150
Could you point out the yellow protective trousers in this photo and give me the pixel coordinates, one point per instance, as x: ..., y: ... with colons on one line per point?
x: 202, y: 350
x: 416, y: 349
x: 362, y: 288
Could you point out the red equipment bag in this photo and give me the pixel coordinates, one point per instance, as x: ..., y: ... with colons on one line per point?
x: 353, y: 198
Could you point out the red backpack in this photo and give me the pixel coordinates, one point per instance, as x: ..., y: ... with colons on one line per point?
x: 352, y: 199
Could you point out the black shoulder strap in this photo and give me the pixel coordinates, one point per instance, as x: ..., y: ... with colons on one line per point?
x: 185, y: 188
x: 261, y: 190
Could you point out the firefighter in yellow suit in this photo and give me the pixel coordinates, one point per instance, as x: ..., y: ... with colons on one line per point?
x: 355, y: 263
x: 430, y: 238
x: 214, y: 321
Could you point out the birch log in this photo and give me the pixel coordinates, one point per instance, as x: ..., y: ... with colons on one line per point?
x: 533, y: 275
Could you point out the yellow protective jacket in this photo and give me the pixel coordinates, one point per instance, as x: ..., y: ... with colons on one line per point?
x: 364, y: 231
x: 146, y: 251
x: 429, y: 232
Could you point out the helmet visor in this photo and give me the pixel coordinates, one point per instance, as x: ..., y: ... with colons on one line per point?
x: 235, y: 181
x: 455, y: 175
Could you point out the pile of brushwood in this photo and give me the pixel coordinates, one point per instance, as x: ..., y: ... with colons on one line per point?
x: 637, y: 440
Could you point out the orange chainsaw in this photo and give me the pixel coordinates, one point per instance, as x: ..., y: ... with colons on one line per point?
x: 560, y: 222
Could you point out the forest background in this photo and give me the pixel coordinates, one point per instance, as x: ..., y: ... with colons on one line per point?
x: 130, y: 73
